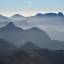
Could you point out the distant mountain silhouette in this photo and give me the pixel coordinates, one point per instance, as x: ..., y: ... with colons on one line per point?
x: 60, y: 14
x: 49, y: 14
x: 20, y: 20
x: 39, y: 14
x: 18, y: 17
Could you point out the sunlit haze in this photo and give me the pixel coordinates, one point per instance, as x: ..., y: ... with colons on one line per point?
x: 30, y: 7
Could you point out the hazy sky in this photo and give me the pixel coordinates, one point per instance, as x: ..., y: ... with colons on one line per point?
x: 29, y: 7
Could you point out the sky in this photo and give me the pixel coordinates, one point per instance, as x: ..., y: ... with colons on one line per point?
x: 30, y: 7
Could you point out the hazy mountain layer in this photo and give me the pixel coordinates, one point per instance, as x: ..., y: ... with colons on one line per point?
x: 35, y: 35
x: 52, y: 23
x: 18, y: 36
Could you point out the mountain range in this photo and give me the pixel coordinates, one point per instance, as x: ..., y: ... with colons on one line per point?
x: 18, y: 17
x: 30, y: 46
x: 51, y: 14
x: 19, y: 36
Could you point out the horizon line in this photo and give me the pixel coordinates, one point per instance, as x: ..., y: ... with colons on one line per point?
x: 28, y: 14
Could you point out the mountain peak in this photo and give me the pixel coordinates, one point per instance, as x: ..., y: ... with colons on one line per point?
x: 11, y: 24
x: 60, y: 14
x: 39, y: 14
x: 17, y: 15
x: 28, y: 46
x: 11, y: 27
x: 49, y: 14
x: 46, y: 14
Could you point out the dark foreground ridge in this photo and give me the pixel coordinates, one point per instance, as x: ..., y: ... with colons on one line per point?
x: 36, y: 56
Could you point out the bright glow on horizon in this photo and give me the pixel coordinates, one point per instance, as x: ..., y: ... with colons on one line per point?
x: 30, y: 7
x: 30, y: 12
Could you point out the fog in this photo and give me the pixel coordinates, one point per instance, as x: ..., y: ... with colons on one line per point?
x: 53, y: 26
